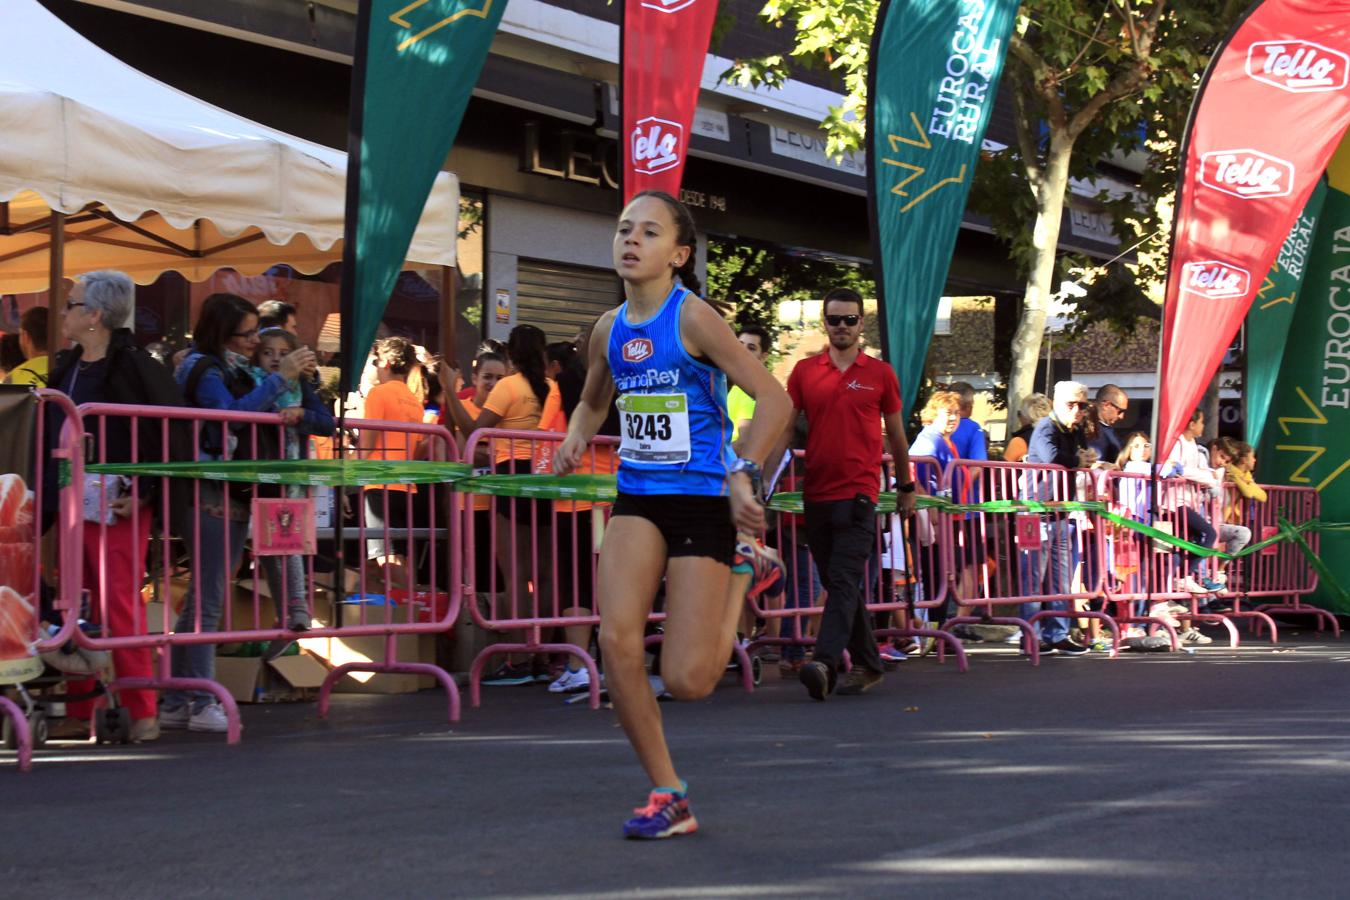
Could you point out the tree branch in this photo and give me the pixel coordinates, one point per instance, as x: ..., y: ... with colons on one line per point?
x: 1128, y: 81
x: 1043, y: 80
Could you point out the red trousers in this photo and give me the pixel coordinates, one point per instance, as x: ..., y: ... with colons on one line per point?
x: 114, y: 570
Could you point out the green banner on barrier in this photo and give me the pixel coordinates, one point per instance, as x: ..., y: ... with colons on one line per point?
x: 312, y: 472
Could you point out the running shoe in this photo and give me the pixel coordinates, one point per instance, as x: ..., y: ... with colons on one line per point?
x: 1211, y: 585
x: 1191, y: 586
x: 815, y: 676
x: 892, y: 653
x: 1193, y: 636
x: 1069, y: 647
x: 666, y: 814
x: 763, y: 564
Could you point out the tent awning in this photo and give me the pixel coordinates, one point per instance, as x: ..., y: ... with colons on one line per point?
x: 157, y: 180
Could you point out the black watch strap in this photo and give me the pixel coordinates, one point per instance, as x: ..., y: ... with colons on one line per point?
x: 906, y: 488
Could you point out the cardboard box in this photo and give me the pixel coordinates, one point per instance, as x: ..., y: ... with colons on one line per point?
x: 251, y: 679
x: 338, y: 651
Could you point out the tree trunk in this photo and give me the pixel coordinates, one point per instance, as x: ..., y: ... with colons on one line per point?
x: 1026, y: 343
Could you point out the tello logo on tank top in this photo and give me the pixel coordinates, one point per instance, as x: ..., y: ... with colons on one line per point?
x: 668, y: 6
x: 1299, y: 67
x: 656, y: 145
x: 637, y: 350
x: 1249, y: 174
x: 1214, y: 279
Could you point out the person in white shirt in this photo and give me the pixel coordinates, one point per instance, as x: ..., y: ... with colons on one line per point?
x: 1190, y: 461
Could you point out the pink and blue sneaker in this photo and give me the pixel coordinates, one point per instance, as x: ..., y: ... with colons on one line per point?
x: 764, y: 565
x: 666, y: 814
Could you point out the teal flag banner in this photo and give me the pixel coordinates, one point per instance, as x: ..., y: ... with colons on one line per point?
x: 416, y: 65
x: 1272, y: 313
x: 932, y: 79
x: 1307, y: 440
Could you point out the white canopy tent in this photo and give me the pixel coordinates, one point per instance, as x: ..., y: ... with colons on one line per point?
x: 102, y: 166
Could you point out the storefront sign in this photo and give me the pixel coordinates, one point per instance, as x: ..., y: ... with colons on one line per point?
x: 809, y: 147
x: 590, y: 159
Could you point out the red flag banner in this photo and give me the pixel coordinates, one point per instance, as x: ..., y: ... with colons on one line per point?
x: 1267, y: 118
x: 664, y: 45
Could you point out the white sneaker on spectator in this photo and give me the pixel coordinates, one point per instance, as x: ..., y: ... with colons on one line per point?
x: 580, y: 681
x: 1193, y: 636
x: 210, y: 718
x: 563, y: 682
x: 1191, y: 586
x: 1177, y: 609
x: 176, y: 719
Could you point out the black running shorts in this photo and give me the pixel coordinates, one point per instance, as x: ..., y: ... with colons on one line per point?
x: 691, y: 525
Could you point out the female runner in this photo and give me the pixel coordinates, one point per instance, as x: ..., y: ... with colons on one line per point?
x: 682, y: 493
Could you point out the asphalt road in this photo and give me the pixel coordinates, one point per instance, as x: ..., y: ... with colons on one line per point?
x: 1219, y: 773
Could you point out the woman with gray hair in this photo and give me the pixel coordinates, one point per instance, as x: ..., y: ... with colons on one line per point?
x: 106, y: 366
x: 1034, y: 407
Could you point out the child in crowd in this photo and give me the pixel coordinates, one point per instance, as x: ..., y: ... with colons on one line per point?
x: 304, y: 414
x: 1228, y: 454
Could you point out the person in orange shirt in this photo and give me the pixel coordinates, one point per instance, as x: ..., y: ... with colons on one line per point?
x: 488, y: 369
x: 389, y: 507
x: 519, y: 402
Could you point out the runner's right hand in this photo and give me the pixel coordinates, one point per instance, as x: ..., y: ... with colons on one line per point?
x: 568, y: 455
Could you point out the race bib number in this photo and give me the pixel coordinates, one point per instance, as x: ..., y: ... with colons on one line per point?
x: 655, y: 428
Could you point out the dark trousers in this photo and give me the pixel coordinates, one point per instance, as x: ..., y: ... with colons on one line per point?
x: 842, y: 535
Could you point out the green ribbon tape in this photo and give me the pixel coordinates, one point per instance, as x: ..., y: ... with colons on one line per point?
x: 593, y: 488
x: 312, y: 472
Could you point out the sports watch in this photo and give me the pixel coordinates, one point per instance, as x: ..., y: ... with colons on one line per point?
x: 905, y: 488
x: 751, y: 468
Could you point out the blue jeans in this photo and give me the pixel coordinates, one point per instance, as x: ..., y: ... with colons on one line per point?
x: 1055, y: 559
x: 213, y: 573
x: 803, y: 594
x: 286, y: 581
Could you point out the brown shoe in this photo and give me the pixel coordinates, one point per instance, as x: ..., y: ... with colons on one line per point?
x: 859, y: 680
x: 816, y: 676
x: 145, y: 730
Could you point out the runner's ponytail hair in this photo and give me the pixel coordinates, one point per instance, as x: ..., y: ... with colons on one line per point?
x: 686, y: 235
x: 527, y: 348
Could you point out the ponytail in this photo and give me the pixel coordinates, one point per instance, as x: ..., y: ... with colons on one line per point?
x: 688, y: 276
x: 527, y: 348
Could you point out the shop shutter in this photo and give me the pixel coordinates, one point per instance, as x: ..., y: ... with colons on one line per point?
x: 562, y: 299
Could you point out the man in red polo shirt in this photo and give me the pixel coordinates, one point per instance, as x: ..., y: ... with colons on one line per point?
x: 846, y: 395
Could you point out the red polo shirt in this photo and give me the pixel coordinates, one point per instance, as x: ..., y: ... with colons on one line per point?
x: 843, y: 417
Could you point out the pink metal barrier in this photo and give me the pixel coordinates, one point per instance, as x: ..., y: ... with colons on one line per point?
x: 906, y: 577
x: 1279, y: 572
x: 1025, y: 559
x: 22, y: 618
x: 537, y: 570
x: 212, y: 520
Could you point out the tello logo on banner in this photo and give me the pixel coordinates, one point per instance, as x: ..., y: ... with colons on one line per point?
x: 1249, y: 174
x: 1214, y: 279
x: 636, y: 350
x: 668, y: 6
x: 657, y: 145
x: 1298, y: 66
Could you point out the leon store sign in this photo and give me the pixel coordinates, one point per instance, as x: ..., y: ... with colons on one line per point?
x: 1271, y: 111
x: 665, y: 43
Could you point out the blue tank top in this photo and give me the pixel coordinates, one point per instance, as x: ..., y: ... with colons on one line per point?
x: 672, y: 408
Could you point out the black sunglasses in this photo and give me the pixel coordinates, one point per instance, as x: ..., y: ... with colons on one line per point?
x: 850, y: 321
